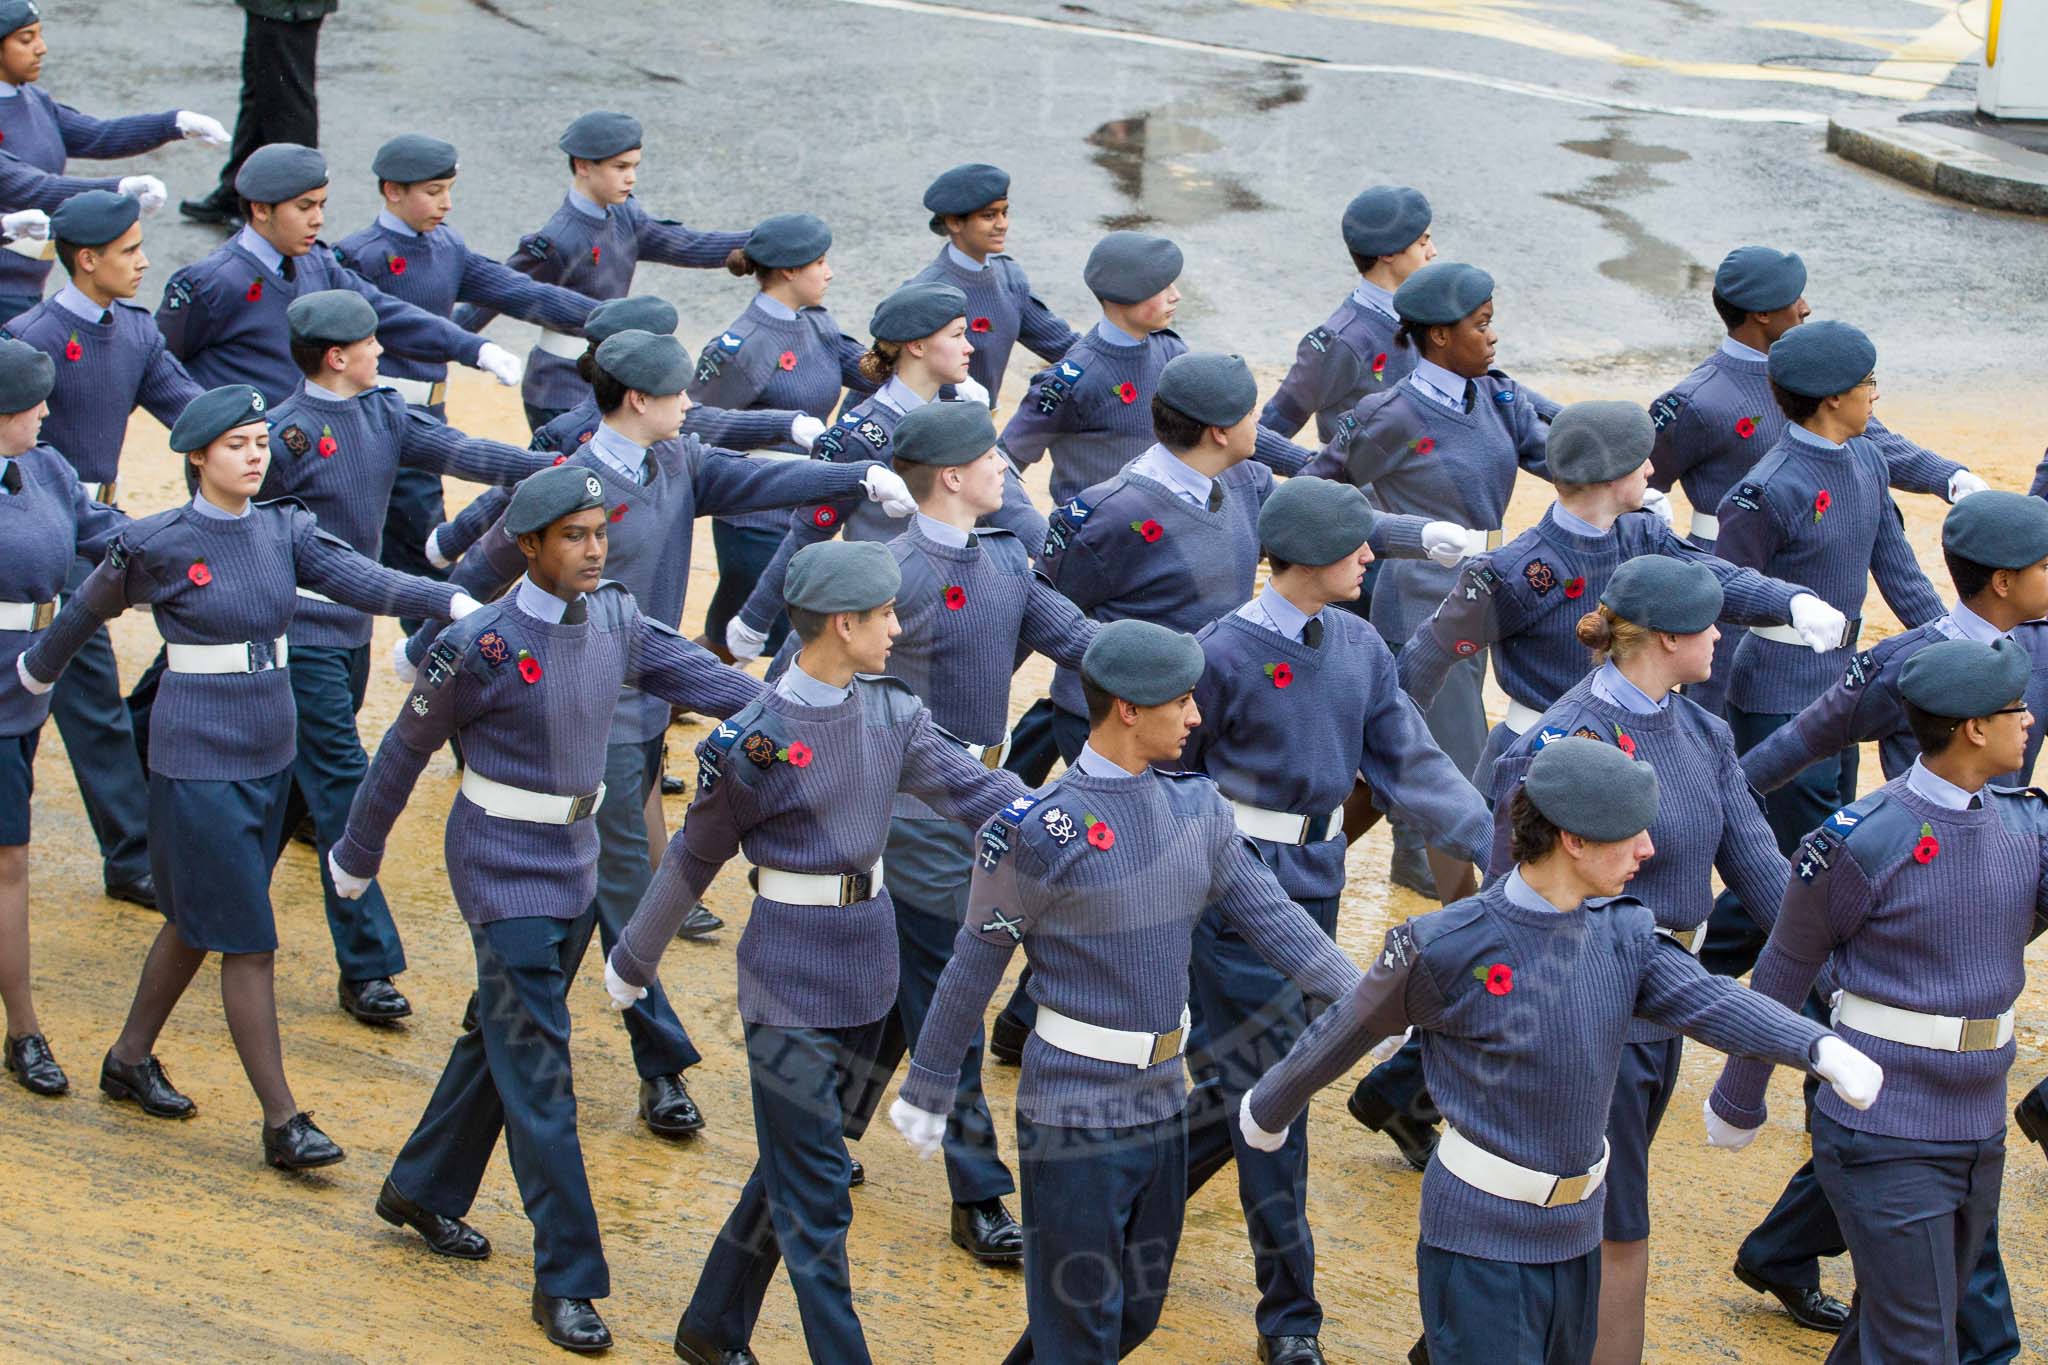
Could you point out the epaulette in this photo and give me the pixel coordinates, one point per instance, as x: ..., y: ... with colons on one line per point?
x: 831, y: 442
x: 1065, y: 523
x: 716, y: 750
x: 178, y: 292
x: 1665, y: 410
x: 1059, y: 382
x: 886, y: 700
x: 1862, y: 668
x: 717, y: 351
x: 1001, y: 834
x: 1319, y: 340
x: 1748, y: 494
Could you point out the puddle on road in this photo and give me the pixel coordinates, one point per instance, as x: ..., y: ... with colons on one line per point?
x: 1647, y: 262
x: 1155, y: 158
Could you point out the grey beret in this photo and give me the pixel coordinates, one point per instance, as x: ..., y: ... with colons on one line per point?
x: 1998, y: 530
x: 94, y: 218
x: 280, y: 171
x: 412, y: 157
x: 1384, y: 220
x: 1962, y: 679
x: 964, y: 190
x: 841, y: 575
x: 545, y: 497
x: 213, y: 414
x: 953, y: 433
x: 1822, y: 359
x: 1142, y: 662
x: 335, y: 316
x: 1592, y: 789
x: 644, y: 361
x: 637, y: 313
x: 916, y: 310
x: 599, y: 134
x: 1442, y: 293
x: 1757, y: 279
x: 1130, y: 267
x: 27, y: 375
x: 1657, y: 592
x: 788, y: 240
x: 1600, y: 440
x: 1216, y: 390
x: 18, y: 14
x: 1316, y: 521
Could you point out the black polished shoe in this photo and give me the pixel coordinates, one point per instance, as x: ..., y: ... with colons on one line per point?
x: 666, y: 1107
x: 696, y: 1348
x: 147, y: 1085
x: 572, y: 1324
x: 1006, y: 1038
x: 211, y: 212
x: 306, y: 832
x: 988, y: 1233
x: 297, y: 1144
x: 699, y: 922
x: 444, y: 1236
x: 1418, y: 1354
x: 1290, y: 1350
x: 859, y: 1175
x: 1415, y: 1139
x: 375, y: 1001
x: 2031, y: 1114
x: 1813, y: 1308
x: 28, y: 1057
x: 1410, y: 868
x: 141, y: 891
x: 673, y: 786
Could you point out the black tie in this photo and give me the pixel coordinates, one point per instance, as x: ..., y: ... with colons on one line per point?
x: 1215, y: 497
x: 575, y: 613
x: 1312, y: 633
x: 106, y: 317
x: 10, y: 477
x: 288, y: 269
x: 1976, y: 803
x: 646, y: 472
x: 1471, y: 393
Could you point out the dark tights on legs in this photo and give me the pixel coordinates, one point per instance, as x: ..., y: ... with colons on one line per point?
x: 247, y: 995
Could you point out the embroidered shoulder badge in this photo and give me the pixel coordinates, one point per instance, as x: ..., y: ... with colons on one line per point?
x: 1861, y: 670
x: 179, y: 293
x: 711, y: 754
x: 1814, y: 853
x: 440, y: 663
x: 493, y: 647
x: 1065, y: 523
x: 722, y: 348
x: 871, y: 431
x: 1844, y: 821
x: 1587, y: 732
x: 759, y: 750
x: 1546, y: 735
x: 1480, y: 578
x: 1319, y: 339
x: 1059, y: 382
x: 295, y: 440
x: 1748, y: 495
x: 831, y: 443
x: 1665, y: 410
x: 1541, y: 577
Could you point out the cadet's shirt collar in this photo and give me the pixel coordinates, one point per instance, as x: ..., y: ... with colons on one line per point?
x: 1939, y: 790
x: 1573, y: 522
x: 1276, y: 613
x: 1975, y: 627
x: 1370, y: 295
x: 1808, y: 438
x: 6, y: 463
x: 899, y: 395
x: 8, y: 90
x: 1439, y: 384
x: 72, y: 300
x: 942, y: 533
x: 391, y: 222
x: 963, y: 260
x: 587, y: 206
x: 1738, y: 351
x: 1185, y: 482
x: 1612, y: 686
x: 1114, y: 335
x: 1091, y: 763
x: 207, y: 509
x: 1518, y: 891
x: 622, y: 453
x: 252, y: 241
x: 773, y: 307
x: 539, y: 603
x: 805, y: 690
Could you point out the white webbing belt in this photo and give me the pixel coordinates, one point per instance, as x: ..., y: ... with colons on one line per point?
x: 1787, y: 635
x: 1519, y: 717
x: 1478, y: 542
x: 990, y: 756
x: 312, y: 596
x: 1280, y: 827
x: 252, y: 656
x: 1498, y: 1176
x: 1127, y: 1047
x: 818, y: 888
x: 1692, y: 940
x: 1941, y: 1032
x: 1705, y: 526
x: 28, y: 615
x: 418, y: 392
x: 562, y: 344
x: 43, y: 250
x: 536, y: 808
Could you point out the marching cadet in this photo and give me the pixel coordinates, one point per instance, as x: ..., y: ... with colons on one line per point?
x: 224, y: 315
x: 527, y: 687
x: 1101, y: 1125
x: 1298, y: 697
x: 43, y: 133
x: 803, y: 781
x: 592, y: 245
x: 50, y: 523
x: 220, y: 575
x: 1652, y: 632
x: 970, y: 208
x: 344, y: 437
x: 1525, y: 995
x: 108, y: 359
x: 658, y: 483
x: 1920, y: 901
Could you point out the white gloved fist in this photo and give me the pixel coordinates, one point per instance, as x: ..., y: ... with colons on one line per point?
x: 30, y: 682
x: 1387, y: 1047
x: 462, y: 605
x: 1249, y: 1126
x: 922, y: 1129
x: 1962, y: 483
x: 886, y: 487
x: 1723, y: 1134
x: 400, y: 664
x: 804, y: 430
x: 346, y: 885
x: 26, y: 224
x: 1445, y: 542
x: 501, y: 364
x: 432, y: 548
x: 624, y: 996
x: 1818, y: 624
x: 1854, y: 1076
x: 1658, y: 501
x: 971, y: 391
x: 146, y: 190
x: 201, y: 128
x: 742, y: 641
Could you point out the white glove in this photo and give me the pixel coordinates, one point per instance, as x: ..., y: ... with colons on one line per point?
x: 922, y: 1129
x: 1249, y: 1126
x: 1658, y: 501
x: 146, y: 190
x: 623, y: 996
x: 743, y: 641
x: 200, y: 128
x: 805, y: 430
x: 401, y: 665
x: 462, y: 605
x: 971, y: 391
x: 32, y: 224
x: 1854, y: 1076
x: 1387, y: 1047
x: 1818, y: 624
x: 504, y: 367
x: 886, y: 487
x: 346, y: 886
x: 432, y: 547
x: 1962, y: 483
x: 1445, y: 541
x: 35, y: 686
x: 1723, y: 1134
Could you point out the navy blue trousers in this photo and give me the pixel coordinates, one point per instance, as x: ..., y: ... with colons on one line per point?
x: 99, y: 737
x: 1032, y: 750
x: 810, y: 1086
x: 1102, y: 1221
x: 661, y: 1046
x: 509, y: 1071
x: 743, y: 552
x: 1481, y: 1312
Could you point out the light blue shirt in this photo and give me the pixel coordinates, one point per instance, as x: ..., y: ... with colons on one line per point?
x: 391, y: 222
x: 962, y: 259
x: 6, y: 463
x: 539, y: 603
x: 805, y: 690
x: 1612, y: 686
x: 942, y: 533
x: 1731, y: 347
x: 1523, y: 894
x: 587, y: 206
x: 253, y: 242
x: 1276, y: 613
x: 622, y: 454
x: 1091, y: 763
x: 1974, y: 627
x: 72, y: 300
x: 1115, y: 335
x: 1439, y: 385
x: 1573, y: 522
x: 8, y: 90
x: 899, y: 395
x: 773, y: 307
x: 1183, y: 480
x: 1805, y: 437
x: 1939, y: 790
x: 1370, y: 295
x: 207, y: 509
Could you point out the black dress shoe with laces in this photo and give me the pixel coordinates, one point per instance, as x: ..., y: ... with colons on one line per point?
x: 697, y: 1349
x: 1006, y: 1038
x: 1415, y: 1139
x: 139, y: 891
x: 666, y: 1107
x: 2031, y: 1114
x: 28, y: 1057
x: 673, y: 786
x: 1810, y: 1307
x: 859, y: 1175
x: 212, y: 212
x: 147, y: 1085
x: 444, y: 1236
x: 1290, y: 1350
x: 375, y: 1001
x: 572, y: 1324
x: 699, y: 922
x: 986, y: 1231
x: 297, y: 1144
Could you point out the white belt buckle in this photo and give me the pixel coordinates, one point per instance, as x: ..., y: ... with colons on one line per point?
x: 1570, y: 1189
x: 990, y: 756
x: 1689, y: 939
x: 1166, y: 1046
x: 1478, y: 541
x: 28, y: 616
x: 561, y: 344
x: 106, y: 492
